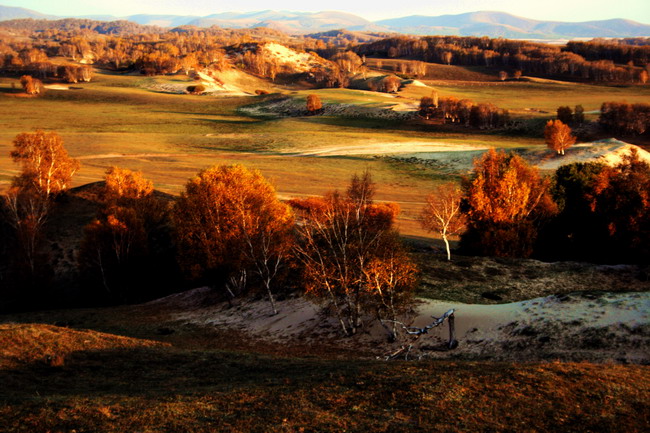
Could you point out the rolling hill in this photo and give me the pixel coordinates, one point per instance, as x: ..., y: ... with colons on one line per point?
x: 483, y: 23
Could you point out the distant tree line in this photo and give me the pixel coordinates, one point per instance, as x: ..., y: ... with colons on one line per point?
x: 624, y: 118
x: 618, y: 51
x: 530, y: 58
x: 463, y: 112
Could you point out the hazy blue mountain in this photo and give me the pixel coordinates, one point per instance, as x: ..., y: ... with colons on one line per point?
x: 501, y: 24
x: 485, y: 23
x: 291, y: 22
x: 161, y: 20
x: 12, y: 13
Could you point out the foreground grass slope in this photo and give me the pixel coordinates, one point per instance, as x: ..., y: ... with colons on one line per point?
x: 121, y: 388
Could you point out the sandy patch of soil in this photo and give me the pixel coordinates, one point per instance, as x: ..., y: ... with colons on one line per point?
x: 57, y: 87
x: 386, y: 148
x: 299, y: 62
x: 609, y: 152
x: 213, y: 86
x: 596, y: 327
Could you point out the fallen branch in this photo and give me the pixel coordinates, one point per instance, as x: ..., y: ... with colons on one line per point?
x: 412, y: 330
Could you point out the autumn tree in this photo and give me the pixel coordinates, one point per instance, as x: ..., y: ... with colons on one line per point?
x: 428, y: 108
x: 565, y: 114
x: 351, y: 256
x: 389, y: 281
x: 26, y: 211
x: 622, y: 199
x: 314, y: 104
x: 442, y: 213
x: 229, y: 222
x: 46, y: 171
x: 32, y: 86
x: 389, y: 84
x: 506, y: 202
x: 122, y: 244
x: 558, y: 136
x: 579, y: 114
x: 46, y: 165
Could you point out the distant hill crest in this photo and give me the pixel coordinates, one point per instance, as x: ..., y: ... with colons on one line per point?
x: 481, y: 23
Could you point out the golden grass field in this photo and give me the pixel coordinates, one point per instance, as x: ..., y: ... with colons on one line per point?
x: 123, y: 120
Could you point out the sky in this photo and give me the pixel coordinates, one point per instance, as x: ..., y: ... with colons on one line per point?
x: 555, y: 10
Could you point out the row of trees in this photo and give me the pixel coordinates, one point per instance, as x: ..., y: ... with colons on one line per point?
x: 586, y: 211
x: 624, y: 118
x: 568, y: 116
x: 530, y: 58
x: 616, y: 50
x: 463, y: 111
x: 227, y: 229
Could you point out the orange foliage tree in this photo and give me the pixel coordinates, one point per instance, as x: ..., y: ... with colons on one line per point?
x: 314, y: 104
x: 32, y: 86
x: 442, y: 213
x: 506, y: 201
x: 116, y: 245
x: 351, y: 256
x: 46, y: 165
x: 229, y: 223
x: 558, y: 136
x: 621, y: 197
x: 46, y: 171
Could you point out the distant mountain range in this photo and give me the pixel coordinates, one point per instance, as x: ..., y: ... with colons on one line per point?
x: 492, y: 24
x: 501, y: 24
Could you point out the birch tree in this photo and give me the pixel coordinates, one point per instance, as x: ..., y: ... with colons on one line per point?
x: 348, y: 250
x: 228, y: 221
x: 442, y: 213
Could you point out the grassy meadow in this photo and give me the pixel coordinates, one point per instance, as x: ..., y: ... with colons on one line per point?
x: 123, y: 120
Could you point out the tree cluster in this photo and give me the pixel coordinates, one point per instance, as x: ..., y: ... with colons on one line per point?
x: 624, y: 118
x: 604, y: 212
x: 352, y: 257
x: 506, y: 204
x: 464, y: 112
x: 586, y: 211
x: 125, y: 249
x: 527, y: 57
